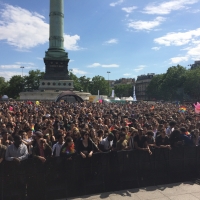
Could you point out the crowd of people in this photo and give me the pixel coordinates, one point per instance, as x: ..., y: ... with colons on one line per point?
x: 47, y: 129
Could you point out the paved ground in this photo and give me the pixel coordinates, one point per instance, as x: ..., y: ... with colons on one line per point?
x: 176, y: 191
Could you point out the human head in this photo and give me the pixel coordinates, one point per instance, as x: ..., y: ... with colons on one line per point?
x: 84, y: 134
x: 60, y: 138
x: 17, y: 140
x: 5, y: 134
x: 150, y: 134
x: 140, y: 131
x: 69, y: 141
x: 110, y: 137
x: 172, y: 124
x: 122, y: 136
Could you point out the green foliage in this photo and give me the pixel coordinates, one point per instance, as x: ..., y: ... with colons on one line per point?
x: 31, y: 82
x: 3, y: 86
x: 16, y: 85
x: 192, y: 83
x: 124, y: 90
x: 99, y: 83
x: 177, y: 83
x: 154, y: 90
x: 77, y: 85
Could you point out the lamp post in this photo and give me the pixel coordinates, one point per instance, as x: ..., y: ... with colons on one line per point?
x: 108, y: 83
x: 22, y: 67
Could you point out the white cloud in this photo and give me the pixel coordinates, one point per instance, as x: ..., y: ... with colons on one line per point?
x: 9, y: 74
x: 94, y: 65
x: 39, y: 58
x: 190, y: 38
x: 70, y: 42
x: 139, y: 68
x: 177, y: 60
x: 178, y: 38
x: 129, y: 9
x: 127, y: 74
x: 111, y: 41
x: 24, y: 63
x: 155, y: 48
x: 116, y: 3
x: 194, y: 52
x: 14, y: 67
x: 168, y: 6
x: 76, y: 71
x: 24, y: 29
x: 110, y: 66
x: 146, y: 25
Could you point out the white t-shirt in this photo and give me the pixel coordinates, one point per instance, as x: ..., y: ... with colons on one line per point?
x: 107, y: 144
x: 57, y: 147
x: 169, y: 130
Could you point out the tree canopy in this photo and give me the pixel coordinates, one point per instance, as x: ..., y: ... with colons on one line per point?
x: 178, y: 83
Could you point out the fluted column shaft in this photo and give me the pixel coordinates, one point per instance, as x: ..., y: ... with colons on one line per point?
x: 56, y: 30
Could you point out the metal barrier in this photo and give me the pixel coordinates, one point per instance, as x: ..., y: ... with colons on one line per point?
x: 103, y: 172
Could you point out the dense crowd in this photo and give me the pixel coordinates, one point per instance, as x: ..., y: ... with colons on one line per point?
x: 48, y: 129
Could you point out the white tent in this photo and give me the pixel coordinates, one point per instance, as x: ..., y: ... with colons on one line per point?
x: 129, y: 99
x: 4, y: 97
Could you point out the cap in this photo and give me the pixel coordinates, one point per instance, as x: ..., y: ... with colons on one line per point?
x: 39, y: 134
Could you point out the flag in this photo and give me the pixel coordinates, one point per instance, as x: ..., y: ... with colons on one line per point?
x: 182, y: 109
x: 152, y: 107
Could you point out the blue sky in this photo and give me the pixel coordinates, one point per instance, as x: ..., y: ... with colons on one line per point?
x: 126, y: 37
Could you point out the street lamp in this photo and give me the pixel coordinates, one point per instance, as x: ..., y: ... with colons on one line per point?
x: 108, y: 83
x: 22, y: 70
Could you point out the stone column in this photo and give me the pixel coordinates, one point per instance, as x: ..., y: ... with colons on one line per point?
x: 56, y: 30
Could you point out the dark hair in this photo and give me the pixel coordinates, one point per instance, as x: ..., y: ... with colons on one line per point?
x: 59, y: 136
x: 16, y: 137
x: 172, y: 123
x: 83, y: 132
x: 68, y: 140
x: 150, y: 133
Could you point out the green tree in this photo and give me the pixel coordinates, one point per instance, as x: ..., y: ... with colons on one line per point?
x: 124, y: 90
x: 16, y: 84
x: 191, y: 83
x: 33, y: 79
x: 173, y: 82
x: 3, y: 86
x: 77, y: 85
x: 154, y: 90
x: 85, y: 83
x: 99, y: 83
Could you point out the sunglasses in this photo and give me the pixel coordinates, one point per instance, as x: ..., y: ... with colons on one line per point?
x: 87, y: 134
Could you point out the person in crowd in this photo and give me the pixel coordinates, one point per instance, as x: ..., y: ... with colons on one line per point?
x: 175, y: 139
x: 140, y: 142
x: 133, y: 132
x: 106, y: 144
x: 170, y: 129
x: 85, y: 147
x: 68, y: 148
x: 186, y: 140
x: 41, y: 150
x: 162, y: 140
x: 57, y: 147
x: 6, y: 138
x: 116, y: 138
x: 150, y: 138
x: 195, y: 137
x: 122, y: 143
x: 2, y: 152
x: 17, y: 151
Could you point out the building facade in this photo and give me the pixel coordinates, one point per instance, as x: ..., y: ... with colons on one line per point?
x: 195, y: 65
x: 141, y: 85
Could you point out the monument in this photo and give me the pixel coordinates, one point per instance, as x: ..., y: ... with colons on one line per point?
x: 56, y: 78
x: 56, y: 58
